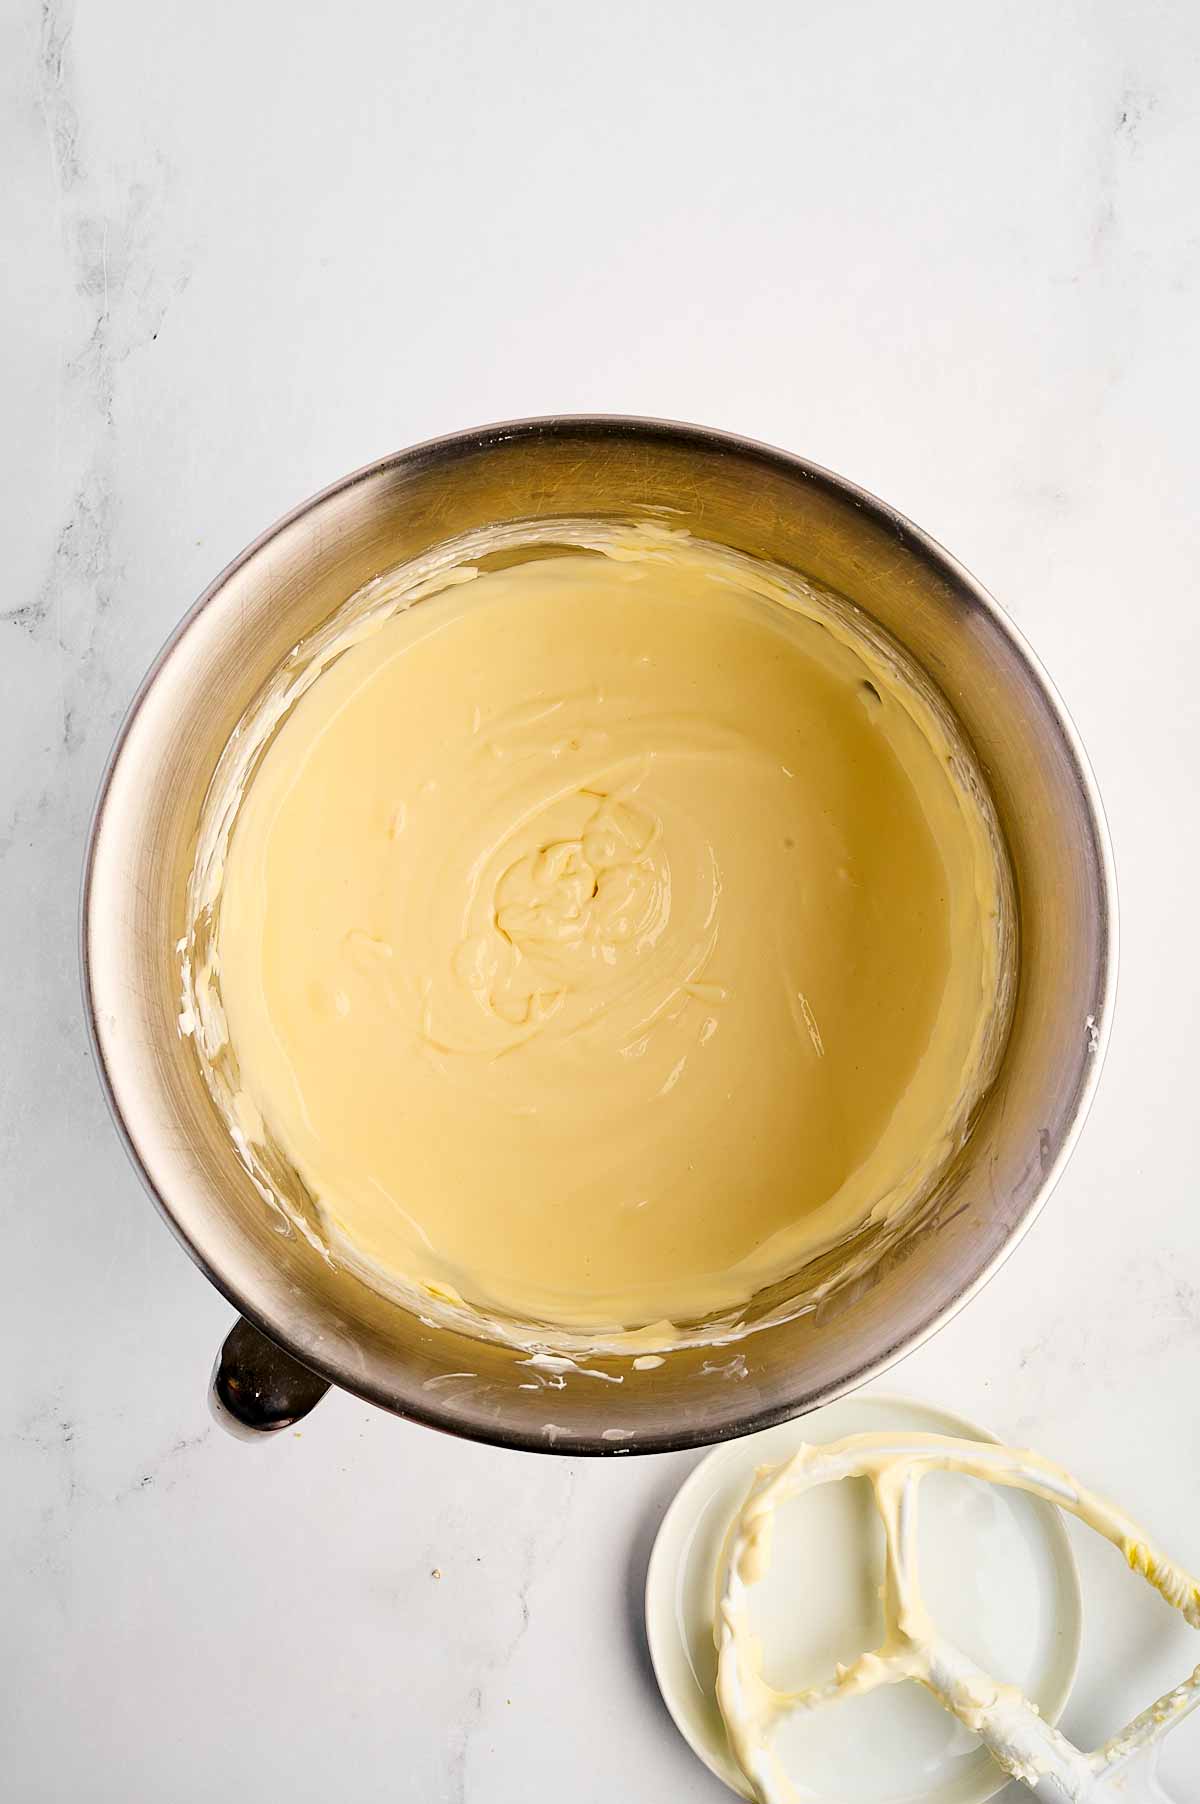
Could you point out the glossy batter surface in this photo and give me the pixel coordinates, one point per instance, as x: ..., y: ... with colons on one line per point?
x: 599, y: 937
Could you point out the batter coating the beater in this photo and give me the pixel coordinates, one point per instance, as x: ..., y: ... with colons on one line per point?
x: 600, y: 935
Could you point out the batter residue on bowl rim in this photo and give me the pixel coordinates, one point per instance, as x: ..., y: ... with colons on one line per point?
x: 597, y: 932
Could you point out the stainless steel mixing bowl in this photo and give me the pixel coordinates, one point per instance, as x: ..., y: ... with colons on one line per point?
x: 339, y: 1330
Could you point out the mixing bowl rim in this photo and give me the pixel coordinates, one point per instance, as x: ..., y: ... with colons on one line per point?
x: 685, y: 437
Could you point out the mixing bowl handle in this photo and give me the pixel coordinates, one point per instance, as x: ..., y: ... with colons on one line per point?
x: 257, y: 1387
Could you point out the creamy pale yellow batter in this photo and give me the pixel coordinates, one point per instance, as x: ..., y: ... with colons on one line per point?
x: 602, y: 934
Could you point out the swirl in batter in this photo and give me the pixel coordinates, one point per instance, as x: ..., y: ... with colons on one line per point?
x: 603, y: 935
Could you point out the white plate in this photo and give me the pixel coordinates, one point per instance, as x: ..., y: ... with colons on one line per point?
x: 996, y: 1568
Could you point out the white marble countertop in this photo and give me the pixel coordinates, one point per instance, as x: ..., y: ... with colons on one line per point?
x: 952, y: 252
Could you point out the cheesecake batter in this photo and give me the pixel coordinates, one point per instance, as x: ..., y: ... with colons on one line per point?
x: 605, y: 929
